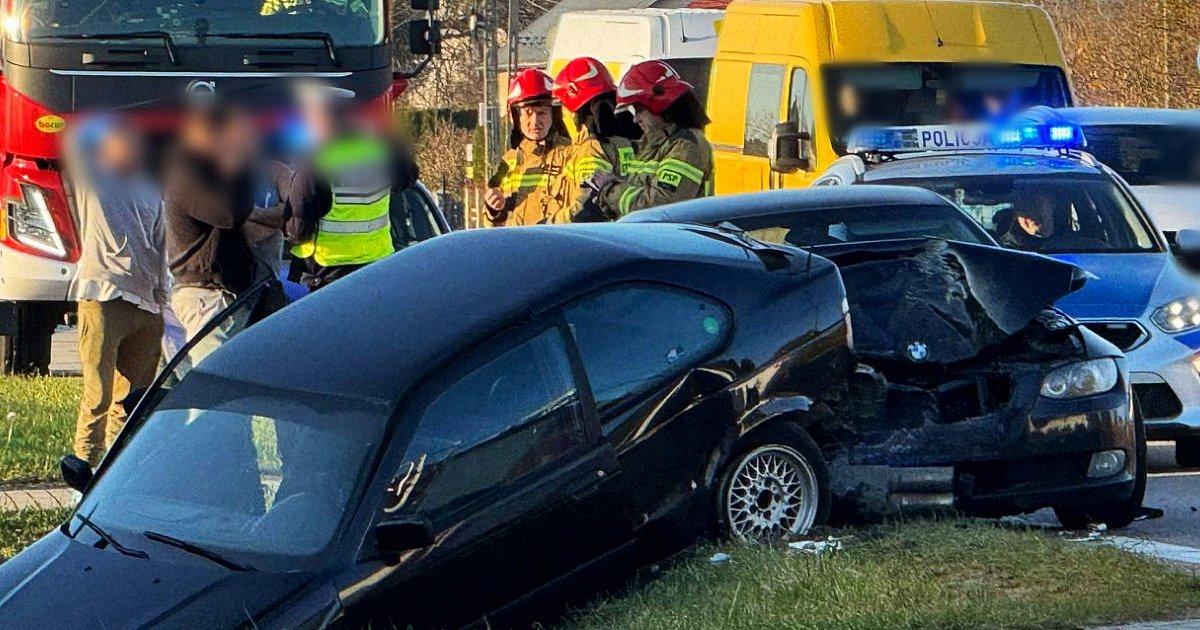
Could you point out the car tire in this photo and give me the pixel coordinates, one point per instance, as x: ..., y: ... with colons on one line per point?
x: 1187, y: 452
x: 756, y: 496
x: 1119, y: 514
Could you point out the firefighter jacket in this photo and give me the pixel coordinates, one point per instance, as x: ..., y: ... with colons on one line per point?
x: 526, y: 176
x: 589, y: 155
x: 671, y: 164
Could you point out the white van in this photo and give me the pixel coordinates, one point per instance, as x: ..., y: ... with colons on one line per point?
x: 685, y: 38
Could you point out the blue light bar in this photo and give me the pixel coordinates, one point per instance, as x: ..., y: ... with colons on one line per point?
x: 890, y: 140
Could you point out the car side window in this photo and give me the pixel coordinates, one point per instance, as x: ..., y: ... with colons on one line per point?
x: 800, y: 107
x: 503, y: 418
x: 635, y: 337
x: 762, y: 107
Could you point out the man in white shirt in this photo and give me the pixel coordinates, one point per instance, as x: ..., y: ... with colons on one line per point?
x: 121, y: 282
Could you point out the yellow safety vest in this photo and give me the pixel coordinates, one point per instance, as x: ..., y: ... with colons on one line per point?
x: 357, y: 229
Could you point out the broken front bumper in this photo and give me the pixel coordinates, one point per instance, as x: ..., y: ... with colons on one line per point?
x: 1035, y: 453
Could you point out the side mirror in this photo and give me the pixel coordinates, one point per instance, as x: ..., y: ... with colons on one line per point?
x: 403, y: 534
x: 788, y: 151
x: 1187, y: 249
x: 1188, y: 241
x: 76, y: 472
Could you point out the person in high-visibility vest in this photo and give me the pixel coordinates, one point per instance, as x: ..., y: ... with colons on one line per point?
x: 674, y: 160
x: 337, y: 214
x: 603, y: 141
x: 519, y: 193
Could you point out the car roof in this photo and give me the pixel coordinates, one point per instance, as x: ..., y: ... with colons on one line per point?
x: 973, y: 163
x: 1100, y: 116
x: 711, y: 210
x: 382, y: 329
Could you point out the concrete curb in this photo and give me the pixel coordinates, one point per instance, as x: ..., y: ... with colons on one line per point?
x: 19, y: 499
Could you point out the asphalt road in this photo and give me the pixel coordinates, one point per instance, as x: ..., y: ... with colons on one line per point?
x: 1177, y: 492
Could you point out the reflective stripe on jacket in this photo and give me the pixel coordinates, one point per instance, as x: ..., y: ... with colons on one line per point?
x: 528, y: 175
x: 357, y: 229
x: 672, y: 164
x: 590, y: 155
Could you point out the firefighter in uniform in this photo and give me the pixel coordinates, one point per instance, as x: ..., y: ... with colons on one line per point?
x: 337, y: 212
x: 673, y: 160
x: 603, y: 140
x: 519, y: 193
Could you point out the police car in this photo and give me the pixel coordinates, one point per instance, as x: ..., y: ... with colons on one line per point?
x: 1035, y: 189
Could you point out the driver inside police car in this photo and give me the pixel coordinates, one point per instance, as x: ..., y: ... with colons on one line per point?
x: 1032, y: 225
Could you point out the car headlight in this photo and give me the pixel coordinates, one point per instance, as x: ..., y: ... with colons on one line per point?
x: 1080, y: 379
x: 1178, y: 316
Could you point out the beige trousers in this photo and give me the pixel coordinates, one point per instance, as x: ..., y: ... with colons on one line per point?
x: 119, y: 348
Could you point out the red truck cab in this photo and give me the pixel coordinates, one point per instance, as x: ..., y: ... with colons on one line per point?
x: 63, y: 58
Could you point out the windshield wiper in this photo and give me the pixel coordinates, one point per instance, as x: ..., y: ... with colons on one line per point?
x: 107, y: 538
x: 168, y: 41
x: 195, y: 549
x: 325, y: 38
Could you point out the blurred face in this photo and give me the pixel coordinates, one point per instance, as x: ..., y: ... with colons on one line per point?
x: 1037, y: 221
x: 534, y: 120
x: 120, y: 150
x: 237, y: 140
x: 647, y: 120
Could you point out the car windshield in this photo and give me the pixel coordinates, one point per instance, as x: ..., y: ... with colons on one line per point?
x: 933, y: 93
x: 1050, y: 214
x: 258, y: 475
x: 878, y: 223
x: 348, y: 22
x: 1147, y: 155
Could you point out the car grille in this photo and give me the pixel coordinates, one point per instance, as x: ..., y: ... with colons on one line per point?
x: 1124, y: 335
x: 1157, y: 401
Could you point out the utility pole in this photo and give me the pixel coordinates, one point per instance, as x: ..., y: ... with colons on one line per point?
x: 514, y: 30
x: 491, y: 119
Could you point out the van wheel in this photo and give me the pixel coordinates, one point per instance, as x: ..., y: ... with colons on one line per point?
x: 776, y: 488
x: 1119, y: 514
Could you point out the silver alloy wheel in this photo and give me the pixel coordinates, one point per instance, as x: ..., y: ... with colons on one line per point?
x: 771, y: 494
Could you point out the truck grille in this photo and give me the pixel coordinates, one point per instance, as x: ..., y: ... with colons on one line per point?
x: 1124, y: 335
x: 1157, y: 401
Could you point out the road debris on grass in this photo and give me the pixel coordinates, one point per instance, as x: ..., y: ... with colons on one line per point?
x: 817, y: 547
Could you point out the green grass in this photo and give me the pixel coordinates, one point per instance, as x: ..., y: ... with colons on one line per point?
x: 20, y: 529
x: 928, y: 575
x: 37, y: 426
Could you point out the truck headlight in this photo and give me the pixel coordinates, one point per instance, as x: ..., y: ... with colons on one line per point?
x: 1080, y: 379
x: 31, y: 223
x: 1178, y: 316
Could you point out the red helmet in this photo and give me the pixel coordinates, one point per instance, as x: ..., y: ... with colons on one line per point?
x: 582, y: 80
x: 652, y: 84
x: 530, y: 84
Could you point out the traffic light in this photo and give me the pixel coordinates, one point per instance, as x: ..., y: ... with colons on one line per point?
x: 426, y: 5
x: 425, y: 37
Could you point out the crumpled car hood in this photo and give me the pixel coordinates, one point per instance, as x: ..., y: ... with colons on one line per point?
x: 936, y: 301
x: 61, y: 583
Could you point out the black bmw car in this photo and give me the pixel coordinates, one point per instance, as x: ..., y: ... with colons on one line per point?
x: 971, y: 392
x: 474, y: 424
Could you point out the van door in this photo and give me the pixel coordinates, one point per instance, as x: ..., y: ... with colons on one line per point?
x: 800, y: 110
x: 763, y: 104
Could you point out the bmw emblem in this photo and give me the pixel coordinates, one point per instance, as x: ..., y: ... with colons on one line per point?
x: 917, y: 351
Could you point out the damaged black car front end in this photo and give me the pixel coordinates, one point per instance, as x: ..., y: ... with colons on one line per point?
x: 971, y: 393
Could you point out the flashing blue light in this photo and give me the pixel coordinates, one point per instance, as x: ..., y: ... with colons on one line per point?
x: 1062, y: 133
x: 1008, y: 137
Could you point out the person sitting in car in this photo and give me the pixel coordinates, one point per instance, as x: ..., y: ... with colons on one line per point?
x: 1029, y: 226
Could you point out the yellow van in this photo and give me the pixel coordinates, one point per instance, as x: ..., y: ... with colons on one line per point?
x: 792, y: 78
